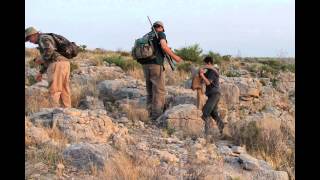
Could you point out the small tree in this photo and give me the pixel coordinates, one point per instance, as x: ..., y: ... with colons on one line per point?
x: 82, y: 48
x: 217, y: 59
x: 191, y: 53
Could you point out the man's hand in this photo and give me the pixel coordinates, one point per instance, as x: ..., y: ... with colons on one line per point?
x: 178, y: 59
x: 38, y: 60
x: 39, y: 77
x: 167, y: 50
x: 201, y: 73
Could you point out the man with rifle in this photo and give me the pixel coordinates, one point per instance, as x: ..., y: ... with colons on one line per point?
x: 153, y: 68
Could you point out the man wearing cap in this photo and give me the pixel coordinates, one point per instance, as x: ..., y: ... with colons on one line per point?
x: 56, y: 66
x: 154, y: 71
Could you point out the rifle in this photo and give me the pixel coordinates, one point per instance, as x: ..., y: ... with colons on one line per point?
x: 167, y: 57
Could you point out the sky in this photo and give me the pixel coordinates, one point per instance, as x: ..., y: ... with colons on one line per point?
x: 247, y: 28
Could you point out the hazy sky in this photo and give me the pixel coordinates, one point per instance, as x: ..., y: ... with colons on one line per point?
x: 235, y: 27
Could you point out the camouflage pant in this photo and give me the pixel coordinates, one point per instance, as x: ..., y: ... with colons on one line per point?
x: 155, y: 84
x: 58, y: 79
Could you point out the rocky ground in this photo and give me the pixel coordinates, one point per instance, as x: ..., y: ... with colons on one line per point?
x: 107, y: 134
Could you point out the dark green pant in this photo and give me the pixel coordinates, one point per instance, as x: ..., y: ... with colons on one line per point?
x: 155, y: 85
x: 211, y: 107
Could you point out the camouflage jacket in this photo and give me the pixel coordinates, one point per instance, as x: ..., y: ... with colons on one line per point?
x: 47, y: 48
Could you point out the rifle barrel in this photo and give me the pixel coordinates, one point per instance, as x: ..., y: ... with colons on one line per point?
x: 169, y: 59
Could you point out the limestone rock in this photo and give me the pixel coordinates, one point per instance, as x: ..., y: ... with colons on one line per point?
x: 35, y: 135
x: 90, y: 103
x: 230, y: 94
x: 168, y: 157
x: 185, y: 119
x: 248, y: 162
x: 77, y: 125
x: 84, y: 156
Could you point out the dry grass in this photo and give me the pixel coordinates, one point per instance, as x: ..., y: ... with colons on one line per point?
x: 138, y: 114
x: 94, y: 58
x: 268, y: 143
x: 50, y: 155
x: 176, y: 77
x: 203, y: 169
x: 135, y: 113
x: 123, y: 167
x: 88, y: 55
x: 34, y: 102
x: 56, y: 135
x: 120, y: 167
x: 123, y: 53
x: 137, y: 74
x: 31, y: 53
x: 79, y: 92
x: 195, y: 172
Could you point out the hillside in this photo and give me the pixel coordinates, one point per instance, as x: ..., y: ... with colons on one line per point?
x: 107, y: 134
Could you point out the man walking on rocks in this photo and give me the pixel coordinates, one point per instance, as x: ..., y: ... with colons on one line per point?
x: 154, y: 72
x: 211, y: 80
x: 56, y: 66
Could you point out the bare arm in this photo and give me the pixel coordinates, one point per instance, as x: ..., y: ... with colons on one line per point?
x: 167, y: 50
x: 206, y: 80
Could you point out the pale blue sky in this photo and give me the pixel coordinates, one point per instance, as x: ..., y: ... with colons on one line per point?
x: 235, y: 27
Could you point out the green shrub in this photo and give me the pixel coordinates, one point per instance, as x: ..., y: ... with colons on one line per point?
x: 274, y: 64
x: 226, y: 57
x: 274, y: 82
x: 263, y: 82
x: 232, y: 74
x: 217, y: 59
x: 190, y: 53
x: 185, y: 66
x: 32, y: 64
x: 125, y: 64
x: 170, y: 130
x: 253, y: 68
x: 268, y: 69
x: 31, y: 80
x: 82, y: 48
x: 289, y: 67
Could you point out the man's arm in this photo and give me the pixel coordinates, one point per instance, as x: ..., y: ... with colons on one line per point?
x: 206, y: 80
x: 48, y: 46
x: 48, y: 50
x: 167, y: 50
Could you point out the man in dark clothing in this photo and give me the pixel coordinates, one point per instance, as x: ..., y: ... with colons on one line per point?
x: 154, y: 72
x: 211, y: 79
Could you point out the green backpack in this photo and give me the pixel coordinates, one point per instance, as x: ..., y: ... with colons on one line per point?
x: 143, y: 48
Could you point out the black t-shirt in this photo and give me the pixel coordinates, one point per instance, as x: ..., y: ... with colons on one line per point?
x: 158, y: 50
x: 213, y: 77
